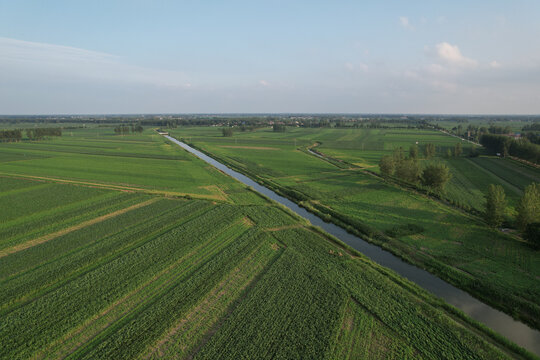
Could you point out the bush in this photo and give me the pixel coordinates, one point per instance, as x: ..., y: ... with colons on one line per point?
x: 387, y: 165
x: 408, y: 170
x: 436, y: 176
x: 404, y: 230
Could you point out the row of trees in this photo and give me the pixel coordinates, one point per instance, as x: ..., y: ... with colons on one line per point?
x: 31, y: 133
x: 124, y: 129
x: 505, y: 146
x: 10, y: 135
x: 434, y: 176
x: 473, y: 132
x: 528, y: 211
x: 40, y: 133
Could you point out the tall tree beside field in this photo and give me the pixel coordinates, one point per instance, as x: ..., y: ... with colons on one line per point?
x: 436, y: 176
x: 408, y: 170
x: 387, y: 166
x: 429, y: 150
x: 495, y: 205
x: 398, y: 155
x: 413, y: 151
x: 458, y: 149
x: 228, y: 132
x: 529, y: 207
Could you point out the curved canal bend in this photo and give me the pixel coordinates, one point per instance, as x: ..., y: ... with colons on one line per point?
x: 505, y: 325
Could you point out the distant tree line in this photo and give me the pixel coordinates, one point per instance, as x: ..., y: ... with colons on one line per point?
x: 41, y: 133
x: 124, y: 129
x: 532, y: 132
x: 10, y: 135
x: 505, y: 146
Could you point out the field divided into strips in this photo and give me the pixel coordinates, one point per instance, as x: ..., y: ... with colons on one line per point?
x: 88, y: 272
x: 460, y: 248
x: 144, y: 163
x: 472, y: 176
x: 156, y: 281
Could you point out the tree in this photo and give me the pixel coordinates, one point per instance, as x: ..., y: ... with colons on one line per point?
x: 448, y: 153
x: 532, y: 234
x: 495, y: 205
x: 279, y: 128
x: 474, y: 152
x: 413, y: 152
x: 458, y: 150
x: 436, y: 176
x: 387, y: 165
x: 398, y: 155
x: 528, y: 208
x: 408, y: 170
x: 429, y: 150
x: 228, y: 132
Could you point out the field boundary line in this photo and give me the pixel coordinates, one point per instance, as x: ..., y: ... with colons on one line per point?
x: 217, y: 197
x: 48, y: 237
x: 239, y: 276
x: 164, y: 287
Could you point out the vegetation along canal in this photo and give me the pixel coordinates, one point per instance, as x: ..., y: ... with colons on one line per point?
x: 505, y: 325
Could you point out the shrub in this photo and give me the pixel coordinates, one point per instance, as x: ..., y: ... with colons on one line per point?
x: 404, y: 230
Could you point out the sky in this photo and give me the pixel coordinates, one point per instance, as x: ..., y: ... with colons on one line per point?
x: 386, y: 56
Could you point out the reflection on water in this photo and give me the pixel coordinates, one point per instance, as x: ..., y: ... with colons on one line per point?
x: 505, y: 325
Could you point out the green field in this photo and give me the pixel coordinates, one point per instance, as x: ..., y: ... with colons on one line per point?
x: 100, y: 262
x: 457, y: 246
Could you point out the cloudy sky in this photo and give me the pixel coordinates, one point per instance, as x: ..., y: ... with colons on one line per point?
x: 143, y: 56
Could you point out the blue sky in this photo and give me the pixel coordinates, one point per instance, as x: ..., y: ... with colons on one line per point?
x: 269, y: 56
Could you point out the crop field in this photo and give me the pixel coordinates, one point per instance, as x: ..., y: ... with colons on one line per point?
x: 472, y: 176
x: 95, y: 268
x: 143, y: 163
x: 459, y: 247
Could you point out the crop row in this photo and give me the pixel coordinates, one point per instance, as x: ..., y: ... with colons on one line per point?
x: 433, y: 334
x: 47, y: 267
x: 36, y: 323
x: 291, y: 313
x: 47, y: 221
x: 133, y: 333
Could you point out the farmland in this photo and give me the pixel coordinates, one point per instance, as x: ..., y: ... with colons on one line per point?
x: 456, y: 245
x: 129, y: 247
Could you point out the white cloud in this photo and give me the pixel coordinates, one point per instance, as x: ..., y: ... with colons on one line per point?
x: 32, y: 61
x: 404, y: 21
x: 452, y: 55
x: 358, y: 67
x: 494, y: 64
x: 263, y: 82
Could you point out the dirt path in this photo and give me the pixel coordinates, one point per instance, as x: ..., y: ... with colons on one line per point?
x: 48, y: 237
